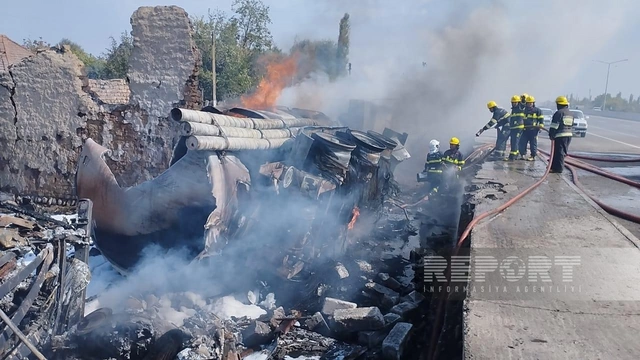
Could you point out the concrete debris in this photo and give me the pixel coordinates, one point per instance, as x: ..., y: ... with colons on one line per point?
x: 342, y: 271
x: 391, y: 319
x: 394, y: 344
x: 365, y: 266
x: 358, y: 319
x: 258, y: 333
x: 387, y: 297
x: 276, y: 318
x: 371, y: 339
x: 318, y: 324
x: 331, y: 305
x: 413, y: 297
x: 388, y: 281
x: 405, y: 309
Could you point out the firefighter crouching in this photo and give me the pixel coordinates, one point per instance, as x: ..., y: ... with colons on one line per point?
x: 500, y: 120
x: 561, y: 131
x: 433, y: 167
x: 533, y: 122
x: 516, y: 125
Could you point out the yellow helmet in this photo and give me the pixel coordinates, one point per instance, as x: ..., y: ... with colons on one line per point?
x: 515, y: 99
x: 491, y: 104
x: 454, y: 141
x: 530, y: 99
x: 525, y: 95
x: 562, y: 100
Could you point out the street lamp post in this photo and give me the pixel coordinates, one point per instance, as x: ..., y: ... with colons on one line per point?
x: 606, y: 85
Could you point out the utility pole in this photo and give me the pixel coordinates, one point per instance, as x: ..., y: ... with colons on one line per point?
x: 213, y: 68
x: 606, y: 85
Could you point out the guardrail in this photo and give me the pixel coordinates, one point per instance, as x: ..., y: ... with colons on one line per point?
x: 613, y: 114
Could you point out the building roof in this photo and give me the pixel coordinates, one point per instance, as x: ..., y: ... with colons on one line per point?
x: 114, y: 91
x: 11, y: 52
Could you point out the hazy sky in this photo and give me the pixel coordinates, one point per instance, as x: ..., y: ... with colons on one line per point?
x: 597, y: 30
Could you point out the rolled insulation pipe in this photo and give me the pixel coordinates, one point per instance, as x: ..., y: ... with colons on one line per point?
x: 203, y: 117
x: 199, y: 129
x: 218, y: 143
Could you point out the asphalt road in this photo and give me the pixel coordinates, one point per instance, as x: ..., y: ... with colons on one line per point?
x: 606, y: 136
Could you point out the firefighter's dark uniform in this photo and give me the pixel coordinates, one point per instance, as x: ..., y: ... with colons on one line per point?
x: 500, y: 120
x: 560, y: 130
x: 516, y: 126
x: 533, y: 122
x: 452, y: 162
x: 433, y: 167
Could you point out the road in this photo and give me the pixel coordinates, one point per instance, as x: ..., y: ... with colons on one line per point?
x: 587, y: 315
x: 607, y: 136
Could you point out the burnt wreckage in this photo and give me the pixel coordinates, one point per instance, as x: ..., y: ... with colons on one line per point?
x: 310, y: 179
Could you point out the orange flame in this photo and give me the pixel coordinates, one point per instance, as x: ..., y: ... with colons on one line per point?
x: 279, y: 74
x: 356, y: 213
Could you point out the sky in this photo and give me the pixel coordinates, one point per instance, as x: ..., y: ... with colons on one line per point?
x: 388, y: 36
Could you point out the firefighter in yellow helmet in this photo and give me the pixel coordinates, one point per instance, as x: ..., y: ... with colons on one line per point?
x: 500, y: 120
x: 516, y: 125
x: 452, y: 162
x: 561, y: 131
x: 533, y: 122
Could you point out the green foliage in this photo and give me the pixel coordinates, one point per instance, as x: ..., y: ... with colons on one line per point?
x: 117, y: 56
x: 243, y: 48
x: 94, y: 66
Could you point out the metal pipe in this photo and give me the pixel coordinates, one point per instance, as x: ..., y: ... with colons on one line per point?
x: 187, y: 115
x: 219, y: 143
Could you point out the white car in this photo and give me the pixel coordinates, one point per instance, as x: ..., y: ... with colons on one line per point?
x: 579, y: 123
x: 597, y: 108
x: 547, y: 114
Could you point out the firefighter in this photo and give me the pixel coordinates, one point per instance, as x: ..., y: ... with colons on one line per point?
x: 533, y: 122
x: 516, y: 125
x: 433, y: 167
x: 561, y: 131
x: 453, y: 162
x: 523, y: 100
x: 500, y: 120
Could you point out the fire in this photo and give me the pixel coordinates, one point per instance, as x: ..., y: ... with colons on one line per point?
x: 355, y: 213
x: 279, y: 74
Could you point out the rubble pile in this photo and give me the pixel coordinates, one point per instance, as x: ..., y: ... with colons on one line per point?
x: 42, y: 283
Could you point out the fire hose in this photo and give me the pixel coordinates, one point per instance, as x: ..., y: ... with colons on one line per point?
x: 596, y: 170
x: 433, y: 348
x: 573, y: 164
x: 584, y: 157
x: 437, y: 329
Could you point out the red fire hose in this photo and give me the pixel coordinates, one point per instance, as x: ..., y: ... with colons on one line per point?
x: 594, y: 169
x: 584, y: 157
x: 437, y: 329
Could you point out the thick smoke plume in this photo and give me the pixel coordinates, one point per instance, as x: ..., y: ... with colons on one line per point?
x: 473, y: 52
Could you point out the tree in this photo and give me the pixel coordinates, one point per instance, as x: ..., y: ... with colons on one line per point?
x: 252, y: 21
x: 342, y: 53
x: 630, y: 98
x: 315, y: 56
x: 117, y: 57
x: 94, y: 66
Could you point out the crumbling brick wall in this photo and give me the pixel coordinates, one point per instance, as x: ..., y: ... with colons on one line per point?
x: 47, y: 108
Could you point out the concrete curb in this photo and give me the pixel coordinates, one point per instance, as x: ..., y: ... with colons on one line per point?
x: 632, y: 238
x: 626, y: 233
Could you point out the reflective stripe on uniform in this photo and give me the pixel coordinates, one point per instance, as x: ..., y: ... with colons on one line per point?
x: 554, y: 125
